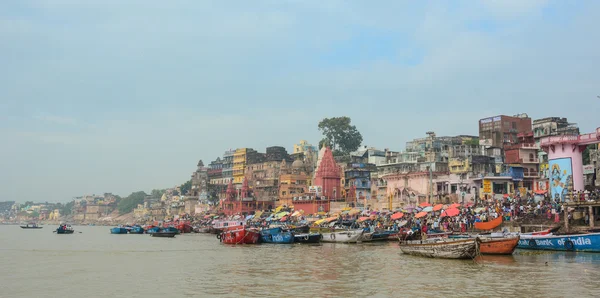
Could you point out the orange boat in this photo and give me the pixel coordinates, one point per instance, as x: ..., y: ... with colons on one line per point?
x: 502, y: 246
x: 490, y: 225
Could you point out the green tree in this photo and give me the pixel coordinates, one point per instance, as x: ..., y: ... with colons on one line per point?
x: 129, y: 203
x: 472, y: 142
x: 586, y: 155
x: 157, y: 193
x: 340, y: 135
x: 186, y: 187
x: 67, y: 208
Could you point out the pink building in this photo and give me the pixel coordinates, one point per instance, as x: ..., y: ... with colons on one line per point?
x: 328, y: 176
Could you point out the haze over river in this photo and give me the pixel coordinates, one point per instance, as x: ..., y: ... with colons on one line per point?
x: 94, y: 263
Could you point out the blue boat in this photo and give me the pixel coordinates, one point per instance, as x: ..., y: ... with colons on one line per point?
x: 170, y: 230
x: 136, y: 230
x: 153, y: 230
x: 118, y: 230
x: 276, y: 235
x: 574, y: 242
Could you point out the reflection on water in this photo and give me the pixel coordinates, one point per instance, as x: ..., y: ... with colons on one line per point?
x: 98, y: 264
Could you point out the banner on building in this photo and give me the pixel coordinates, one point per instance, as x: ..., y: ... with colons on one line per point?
x: 561, y: 177
x: 487, y: 186
x: 588, y: 169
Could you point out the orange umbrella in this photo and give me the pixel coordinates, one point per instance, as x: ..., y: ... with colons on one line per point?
x: 424, y: 204
x: 450, y: 212
x: 420, y: 214
x: 438, y: 207
x: 454, y: 205
x: 397, y: 215
x: 363, y: 218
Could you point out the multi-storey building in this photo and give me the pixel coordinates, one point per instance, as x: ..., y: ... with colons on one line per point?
x: 500, y: 130
x: 524, y: 154
x: 228, y: 165
x: 199, y: 181
x: 241, y: 158
x: 545, y: 127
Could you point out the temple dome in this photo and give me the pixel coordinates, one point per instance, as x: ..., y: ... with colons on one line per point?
x: 297, y: 164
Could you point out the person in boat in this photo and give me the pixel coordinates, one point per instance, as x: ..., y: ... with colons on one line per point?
x: 424, y: 230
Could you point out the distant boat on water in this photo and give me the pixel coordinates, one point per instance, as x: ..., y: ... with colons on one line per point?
x: 31, y: 225
x: 64, y: 229
x: 118, y: 230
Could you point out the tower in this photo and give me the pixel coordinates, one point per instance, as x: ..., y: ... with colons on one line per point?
x: 328, y: 176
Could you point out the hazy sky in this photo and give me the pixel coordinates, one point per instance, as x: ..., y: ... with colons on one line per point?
x: 120, y: 96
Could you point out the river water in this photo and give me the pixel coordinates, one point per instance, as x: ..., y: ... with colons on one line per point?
x: 94, y: 263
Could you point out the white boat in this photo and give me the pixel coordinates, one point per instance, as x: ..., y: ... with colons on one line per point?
x: 349, y: 236
x: 444, y: 248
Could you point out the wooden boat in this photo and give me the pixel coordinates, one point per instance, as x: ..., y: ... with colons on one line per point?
x: 348, y: 236
x: 31, y: 226
x: 276, y: 235
x: 489, y: 225
x: 164, y: 234
x: 118, y: 230
x: 240, y: 236
x: 308, y: 238
x: 64, y: 229
x: 444, y: 248
x: 572, y: 242
x: 498, y: 246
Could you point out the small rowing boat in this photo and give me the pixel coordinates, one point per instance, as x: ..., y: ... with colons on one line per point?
x: 31, y: 226
x: 349, y: 236
x: 443, y: 248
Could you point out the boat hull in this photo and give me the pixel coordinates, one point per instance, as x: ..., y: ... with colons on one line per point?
x: 136, y: 230
x: 489, y: 225
x: 63, y: 231
x: 308, y: 238
x: 276, y: 235
x: 164, y: 234
x: 443, y: 249
x: 503, y: 246
x: 24, y: 227
x: 351, y: 236
x: 583, y: 242
x: 118, y: 230
x: 240, y: 236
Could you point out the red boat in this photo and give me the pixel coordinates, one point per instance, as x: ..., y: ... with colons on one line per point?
x: 184, y: 227
x: 240, y: 236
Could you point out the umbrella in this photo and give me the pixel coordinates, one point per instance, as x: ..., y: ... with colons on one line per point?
x: 402, y: 223
x: 455, y: 205
x: 450, y: 212
x: 427, y: 209
x: 354, y: 211
x: 438, y: 207
x: 420, y: 214
x: 479, y: 209
x: 424, y: 204
x: 330, y: 219
x: 506, y: 195
x: 397, y: 215
x: 363, y: 219
x: 284, y: 218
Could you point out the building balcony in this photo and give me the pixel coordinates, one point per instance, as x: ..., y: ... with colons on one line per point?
x: 528, y: 160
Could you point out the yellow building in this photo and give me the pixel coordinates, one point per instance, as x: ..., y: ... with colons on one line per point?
x: 459, y: 165
x: 239, y: 165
